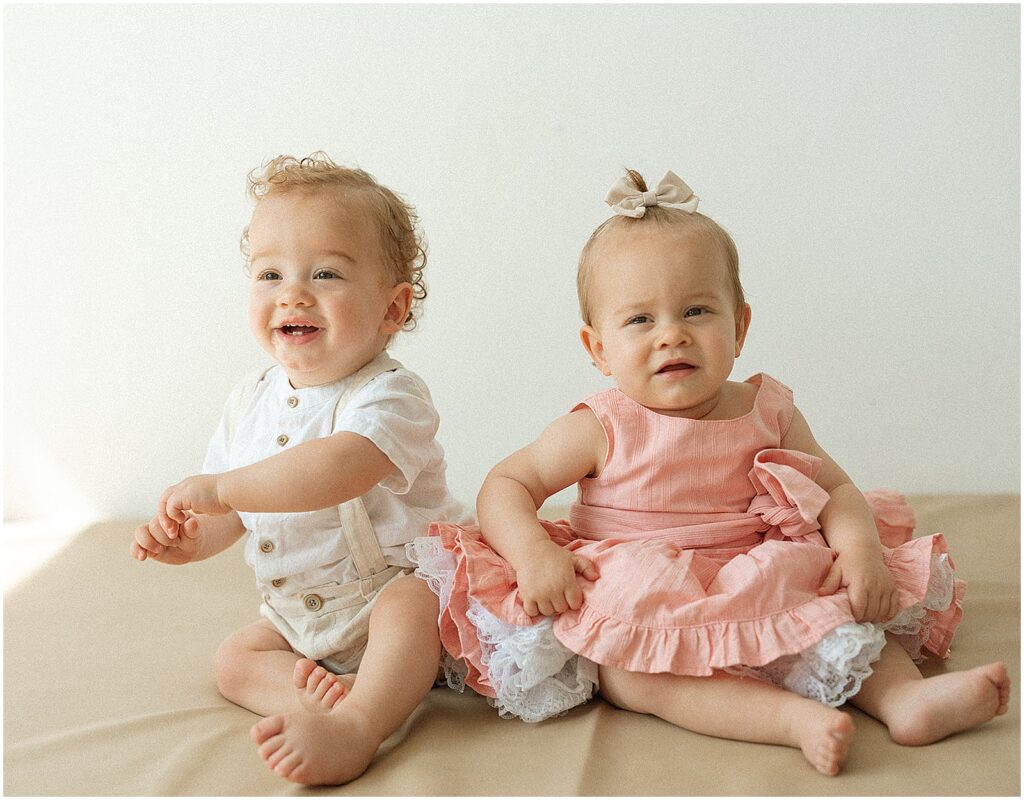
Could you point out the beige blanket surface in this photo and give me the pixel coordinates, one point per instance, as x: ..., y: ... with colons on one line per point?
x: 109, y: 690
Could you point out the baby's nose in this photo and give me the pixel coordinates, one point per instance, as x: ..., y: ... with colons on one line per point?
x: 292, y: 294
x: 673, y: 333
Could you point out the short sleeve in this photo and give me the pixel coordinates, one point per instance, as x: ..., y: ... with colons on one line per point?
x: 218, y: 452
x: 396, y: 413
x: 216, y: 460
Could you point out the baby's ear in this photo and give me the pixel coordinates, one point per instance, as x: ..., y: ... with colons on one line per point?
x: 397, y: 311
x: 742, y: 326
x: 592, y: 342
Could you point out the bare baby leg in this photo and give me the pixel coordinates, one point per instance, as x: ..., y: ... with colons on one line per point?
x: 920, y: 710
x: 397, y: 671
x: 731, y: 707
x: 255, y: 668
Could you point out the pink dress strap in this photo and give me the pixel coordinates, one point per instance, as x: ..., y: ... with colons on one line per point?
x: 657, y: 463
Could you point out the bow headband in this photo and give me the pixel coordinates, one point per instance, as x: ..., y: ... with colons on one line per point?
x: 671, y: 192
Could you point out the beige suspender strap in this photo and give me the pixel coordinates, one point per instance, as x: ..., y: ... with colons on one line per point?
x: 367, y: 557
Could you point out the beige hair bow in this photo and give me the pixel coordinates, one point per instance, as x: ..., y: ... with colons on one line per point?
x: 671, y: 192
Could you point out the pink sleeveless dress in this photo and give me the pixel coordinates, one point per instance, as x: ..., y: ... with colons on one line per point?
x: 705, y: 536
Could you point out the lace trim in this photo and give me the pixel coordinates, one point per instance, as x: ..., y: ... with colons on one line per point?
x: 534, y: 676
x: 913, y: 625
x: 455, y: 672
x: 436, y: 566
x: 833, y: 670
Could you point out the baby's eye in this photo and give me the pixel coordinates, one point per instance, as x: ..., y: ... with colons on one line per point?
x: 639, y: 319
x: 269, y: 275
x: 695, y: 311
x: 324, y: 274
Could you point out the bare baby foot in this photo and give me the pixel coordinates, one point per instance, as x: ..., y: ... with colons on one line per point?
x: 825, y: 735
x: 320, y: 690
x: 317, y: 749
x: 934, y: 708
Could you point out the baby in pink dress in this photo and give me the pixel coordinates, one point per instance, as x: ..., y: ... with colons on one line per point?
x: 719, y: 569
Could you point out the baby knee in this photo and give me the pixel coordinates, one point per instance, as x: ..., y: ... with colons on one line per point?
x: 411, y: 594
x: 226, y: 662
x: 622, y: 690
x: 221, y: 666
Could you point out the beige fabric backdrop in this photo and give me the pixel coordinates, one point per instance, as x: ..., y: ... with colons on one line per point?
x: 108, y: 689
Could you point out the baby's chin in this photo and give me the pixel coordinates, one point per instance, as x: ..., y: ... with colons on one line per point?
x: 308, y: 379
x: 304, y: 375
x: 697, y: 408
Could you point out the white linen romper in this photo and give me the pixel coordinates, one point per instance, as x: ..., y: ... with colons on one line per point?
x: 329, y: 623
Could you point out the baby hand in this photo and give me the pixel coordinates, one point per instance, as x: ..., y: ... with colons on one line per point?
x: 547, y: 579
x: 198, y: 494
x: 152, y: 541
x: 873, y: 595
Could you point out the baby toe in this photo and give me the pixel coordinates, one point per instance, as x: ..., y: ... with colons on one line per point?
x: 266, y: 728
x: 287, y: 764
x: 275, y: 753
x: 334, y: 694
x: 303, y: 669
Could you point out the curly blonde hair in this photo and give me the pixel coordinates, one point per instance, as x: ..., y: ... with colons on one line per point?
x: 401, y: 242
x: 696, y: 223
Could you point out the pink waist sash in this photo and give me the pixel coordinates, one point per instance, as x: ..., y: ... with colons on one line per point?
x: 785, y: 497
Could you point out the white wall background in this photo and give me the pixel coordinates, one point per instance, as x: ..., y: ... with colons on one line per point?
x: 865, y: 158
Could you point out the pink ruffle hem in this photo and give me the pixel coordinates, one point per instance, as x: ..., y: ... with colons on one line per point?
x: 689, y: 594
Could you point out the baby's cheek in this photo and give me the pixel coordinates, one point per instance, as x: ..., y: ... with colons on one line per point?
x: 259, y: 318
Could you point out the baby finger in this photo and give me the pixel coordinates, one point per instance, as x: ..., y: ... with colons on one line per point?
x: 574, y: 596
x: 156, y: 534
x: 857, y: 604
x: 894, y: 606
x: 168, y: 525
x: 172, y: 515
x: 871, y: 609
x: 191, y: 527
x: 147, y: 538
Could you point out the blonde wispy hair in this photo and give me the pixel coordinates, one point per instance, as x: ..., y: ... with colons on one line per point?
x: 696, y: 224
x: 396, y: 222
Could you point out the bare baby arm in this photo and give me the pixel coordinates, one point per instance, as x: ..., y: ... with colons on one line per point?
x: 569, y: 449
x: 849, y: 528
x: 309, y: 476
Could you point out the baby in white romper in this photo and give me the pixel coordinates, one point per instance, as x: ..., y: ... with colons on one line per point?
x: 328, y: 461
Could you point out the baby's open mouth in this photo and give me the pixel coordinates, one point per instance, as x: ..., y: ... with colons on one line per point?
x: 676, y: 367
x: 298, y: 330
